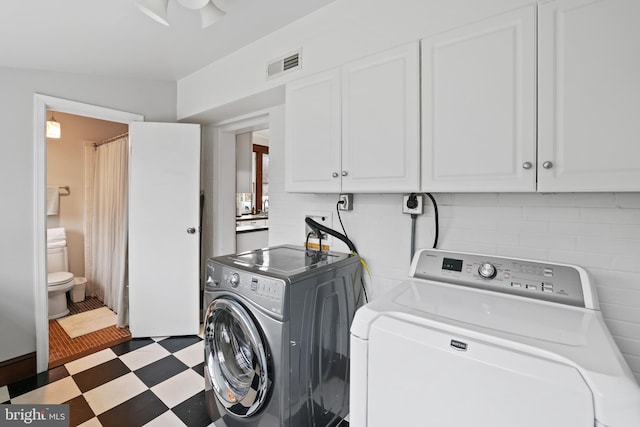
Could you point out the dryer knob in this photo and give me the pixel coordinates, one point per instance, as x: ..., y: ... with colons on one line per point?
x: 234, y: 280
x: 487, y: 270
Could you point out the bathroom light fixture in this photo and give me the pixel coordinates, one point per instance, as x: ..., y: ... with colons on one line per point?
x: 157, y: 10
x: 53, y: 128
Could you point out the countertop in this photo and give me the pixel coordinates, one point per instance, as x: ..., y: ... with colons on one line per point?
x: 251, y: 228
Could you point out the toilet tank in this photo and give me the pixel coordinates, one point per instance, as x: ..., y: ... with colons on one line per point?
x: 57, y: 260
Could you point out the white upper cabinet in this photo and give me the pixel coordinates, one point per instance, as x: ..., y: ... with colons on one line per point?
x: 589, y: 95
x: 312, y: 133
x: 356, y: 128
x: 479, y: 126
x: 479, y: 106
x: 381, y: 122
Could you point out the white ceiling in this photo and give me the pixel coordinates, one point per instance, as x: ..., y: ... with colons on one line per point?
x: 113, y: 38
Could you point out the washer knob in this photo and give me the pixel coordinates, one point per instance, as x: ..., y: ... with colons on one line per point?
x: 234, y: 280
x: 487, y: 270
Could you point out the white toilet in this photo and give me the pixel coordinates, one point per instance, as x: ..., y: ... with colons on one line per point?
x: 59, y: 281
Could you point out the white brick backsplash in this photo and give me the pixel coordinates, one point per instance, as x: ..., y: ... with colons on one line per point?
x: 616, y: 279
x: 580, y: 228
x: 611, y: 215
x: 627, y: 263
x: 466, y: 246
x: 608, y: 245
x: 519, y: 225
x: 479, y: 199
x: 619, y: 312
x: 523, y: 199
x: 581, y: 200
x: 624, y: 298
x: 547, y: 241
x: 626, y: 231
x: 556, y: 213
x: 469, y: 223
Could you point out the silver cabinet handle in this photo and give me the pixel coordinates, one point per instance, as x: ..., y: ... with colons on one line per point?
x: 547, y: 165
x: 344, y: 173
x: 527, y: 165
x: 191, y: 230
x: 335, y: 174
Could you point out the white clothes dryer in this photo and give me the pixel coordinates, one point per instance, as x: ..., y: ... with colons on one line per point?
x: 487, y: 341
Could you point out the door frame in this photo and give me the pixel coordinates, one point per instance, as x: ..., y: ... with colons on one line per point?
x: 42, y: 103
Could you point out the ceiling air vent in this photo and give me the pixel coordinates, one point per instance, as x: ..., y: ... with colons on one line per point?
x: 284, y: 64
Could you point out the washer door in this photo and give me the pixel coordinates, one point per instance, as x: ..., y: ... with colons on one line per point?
x: 235, y: 357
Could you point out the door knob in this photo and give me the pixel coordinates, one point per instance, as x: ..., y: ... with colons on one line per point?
x: 191, y: 230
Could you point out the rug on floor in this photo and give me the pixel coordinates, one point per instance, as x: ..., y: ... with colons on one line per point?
x: 87, y: 322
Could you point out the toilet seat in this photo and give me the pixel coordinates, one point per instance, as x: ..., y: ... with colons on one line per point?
x: 59, y: 278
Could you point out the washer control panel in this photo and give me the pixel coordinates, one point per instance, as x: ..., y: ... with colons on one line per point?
x: 550, y: 282
x: 267, y: 292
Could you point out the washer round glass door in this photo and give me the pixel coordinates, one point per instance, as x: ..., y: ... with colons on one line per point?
x: 236, y: 359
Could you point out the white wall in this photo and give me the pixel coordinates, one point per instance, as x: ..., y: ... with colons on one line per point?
x: 598, y: 231
x: 342, y: 31
x: 155, y: 100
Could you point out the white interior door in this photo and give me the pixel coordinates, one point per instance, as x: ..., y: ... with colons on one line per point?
x: 164, y: 229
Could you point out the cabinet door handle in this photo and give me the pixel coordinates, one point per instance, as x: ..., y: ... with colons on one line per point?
x: 335, y: 174
x: 191, y: 230
x: 527, y: 165
x: 344, y: 173
x: 547, y: 165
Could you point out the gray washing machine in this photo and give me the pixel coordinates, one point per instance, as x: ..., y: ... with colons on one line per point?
x: 276, y: 325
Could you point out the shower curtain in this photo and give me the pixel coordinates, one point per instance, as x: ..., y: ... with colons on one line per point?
x: 107, y: 227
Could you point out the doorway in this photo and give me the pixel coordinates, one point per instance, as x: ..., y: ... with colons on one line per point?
x: 71, y: 197
x: 252, y: 190
x: 42, y: 103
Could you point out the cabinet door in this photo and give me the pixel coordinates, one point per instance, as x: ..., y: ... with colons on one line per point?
x: 312, y: 133
x: 479, y: 106
x: 381, y: 122
x: 589, y: 95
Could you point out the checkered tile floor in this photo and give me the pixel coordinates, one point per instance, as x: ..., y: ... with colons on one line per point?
x: 153, y: 382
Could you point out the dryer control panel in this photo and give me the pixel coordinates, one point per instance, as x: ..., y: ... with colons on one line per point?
x: 265, y: 292
x: 532, y: 279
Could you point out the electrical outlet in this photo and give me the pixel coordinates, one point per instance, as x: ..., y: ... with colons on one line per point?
x: 324, y: 218
x: 346, y: 200
x: 413, y: 204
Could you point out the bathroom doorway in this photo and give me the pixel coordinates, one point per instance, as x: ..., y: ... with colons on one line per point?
x: 70, y: 172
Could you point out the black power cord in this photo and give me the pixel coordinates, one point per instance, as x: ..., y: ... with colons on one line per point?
x: 435, y: 219
x: 412, y: 203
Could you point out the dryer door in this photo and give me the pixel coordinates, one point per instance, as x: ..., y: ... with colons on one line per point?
x: 235, y: 357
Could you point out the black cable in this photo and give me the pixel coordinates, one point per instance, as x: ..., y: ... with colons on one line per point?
x: 340, y: 218
x: 414, y: 217
x: 435, y: 218
x: 306, y: 243
x: 319, y: 227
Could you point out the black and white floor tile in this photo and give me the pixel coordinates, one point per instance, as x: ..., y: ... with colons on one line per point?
x: 152, y: 382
